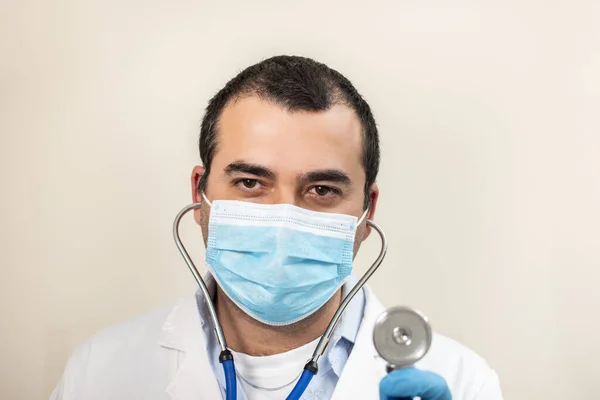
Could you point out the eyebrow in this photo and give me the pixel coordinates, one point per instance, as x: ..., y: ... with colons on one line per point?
x: 248, y: 168
x: 325, y: 175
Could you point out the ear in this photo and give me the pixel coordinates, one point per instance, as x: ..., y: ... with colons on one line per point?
x: 374, y: 196
x: 197, y: 173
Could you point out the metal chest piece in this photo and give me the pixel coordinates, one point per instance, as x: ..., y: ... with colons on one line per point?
x: 402, y: 336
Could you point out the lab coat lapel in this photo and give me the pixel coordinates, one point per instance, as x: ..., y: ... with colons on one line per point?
x: 194, y: 378
x: 364, y: 369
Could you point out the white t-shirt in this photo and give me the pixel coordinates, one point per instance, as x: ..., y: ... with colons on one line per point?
x: 279, y: 371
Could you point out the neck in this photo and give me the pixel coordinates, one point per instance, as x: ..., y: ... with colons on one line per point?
x: 246, y: 335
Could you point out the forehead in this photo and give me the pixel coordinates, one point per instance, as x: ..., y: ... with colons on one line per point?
x: 261, y: 132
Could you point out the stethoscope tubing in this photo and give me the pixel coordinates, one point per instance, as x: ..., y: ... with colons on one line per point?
x: 226, y: 359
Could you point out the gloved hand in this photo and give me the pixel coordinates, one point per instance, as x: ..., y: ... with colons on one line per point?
x: 407, y: 383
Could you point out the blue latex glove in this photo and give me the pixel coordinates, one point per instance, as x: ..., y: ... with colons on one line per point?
x: 407, y: 383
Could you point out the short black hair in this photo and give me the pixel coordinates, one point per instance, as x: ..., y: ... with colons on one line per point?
x: 298, y: 84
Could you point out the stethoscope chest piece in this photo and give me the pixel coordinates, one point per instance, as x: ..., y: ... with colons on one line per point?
x: 402, y: 336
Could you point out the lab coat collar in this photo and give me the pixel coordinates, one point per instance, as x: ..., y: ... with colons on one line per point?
x: 183, y: 322
x: 344, y: 335
x: 194, y: 378
x: 350, y: 321
x: 364, y: 364
x: 182, y: 331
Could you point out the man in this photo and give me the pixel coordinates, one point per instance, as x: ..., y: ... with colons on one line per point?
x: 290, y: 154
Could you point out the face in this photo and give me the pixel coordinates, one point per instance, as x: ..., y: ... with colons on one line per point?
x: 266, y: 154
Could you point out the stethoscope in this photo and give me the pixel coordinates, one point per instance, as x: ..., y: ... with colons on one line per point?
x: 402, y: 336
x: 407, y: 334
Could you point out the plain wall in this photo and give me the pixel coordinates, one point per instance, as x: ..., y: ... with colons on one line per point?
x: 490, y: 179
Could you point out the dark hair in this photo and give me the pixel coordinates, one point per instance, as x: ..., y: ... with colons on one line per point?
x: 298, y: 84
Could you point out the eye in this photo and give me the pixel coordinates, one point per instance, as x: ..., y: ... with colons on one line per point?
x: 324, y: 191
x: 249, y: 183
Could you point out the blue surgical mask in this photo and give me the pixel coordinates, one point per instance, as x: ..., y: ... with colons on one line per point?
x: 277, y: 262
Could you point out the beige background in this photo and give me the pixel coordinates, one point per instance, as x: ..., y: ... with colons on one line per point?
x: 490, y: 182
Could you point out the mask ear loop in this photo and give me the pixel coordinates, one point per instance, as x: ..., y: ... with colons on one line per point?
x: 206, y: 199
x: 362, y: 218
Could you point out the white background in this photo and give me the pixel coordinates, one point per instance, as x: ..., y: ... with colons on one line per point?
x: 489, y: 114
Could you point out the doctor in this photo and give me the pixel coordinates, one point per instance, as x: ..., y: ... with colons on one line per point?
x: 290, y: 134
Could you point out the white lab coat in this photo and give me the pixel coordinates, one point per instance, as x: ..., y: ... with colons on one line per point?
x: 162, y: 356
